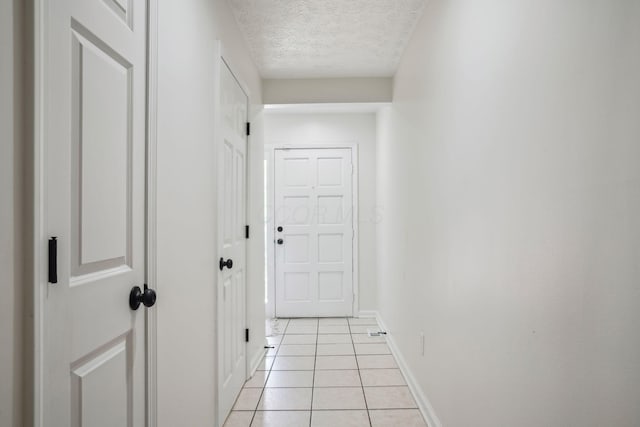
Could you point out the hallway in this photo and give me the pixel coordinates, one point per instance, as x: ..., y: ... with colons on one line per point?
x: 326, y: 372
x: 487, y: 216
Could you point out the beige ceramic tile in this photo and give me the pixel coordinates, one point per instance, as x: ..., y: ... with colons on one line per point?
x: 258, y: 380
x: 366, y: 339
x: 273, y: 349
x: 297, y: 350
x: 239, y: 419
x: 338, y: 398
x: 334, y: 349
x: 372, y: 349
x: 294, y: 363
x: 385, y: 361
x: 382, y: 377
x: 283, y: 399
x: 337, y: 378
x: 363, y: 329
x: 304, y: 321
x: 266, y: 363
x: 336, y: 362
x: 397, y: 417
x: 389, y: 398
x: 248, y: 399
x: 334, y: 339
x: 275, y: 339
x: 333, y: 329
x: 333, y: 321
x: 299, y: 339
x: 281, y: 419
x: 290, y: 379
x: 301, y: 329
x: 357, y: 418
x: 363, y: 321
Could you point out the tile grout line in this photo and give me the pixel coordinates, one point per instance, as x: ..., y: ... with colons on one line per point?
x: 313, y: 379
x: 264, y: 386
x: 364, y: 396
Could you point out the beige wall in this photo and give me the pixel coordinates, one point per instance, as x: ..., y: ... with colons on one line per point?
x: 186, y: 203
x: 509, y: 178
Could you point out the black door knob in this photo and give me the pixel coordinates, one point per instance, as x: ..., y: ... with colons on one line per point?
x: 280, y: 241
x: 137, y: 296
x: 280, y: 228
x: 228, y: 263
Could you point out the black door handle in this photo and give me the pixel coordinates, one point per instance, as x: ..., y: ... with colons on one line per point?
x: 228, y: 263
x: 280, y: 241
x: 137, y: 296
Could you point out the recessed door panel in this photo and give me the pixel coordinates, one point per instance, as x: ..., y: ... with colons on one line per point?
x: 297, y: 287
x: 331, y: 286
x: 101, y: 395
x: 295, y: 173
x: 330, y: 248
x: 101, y: 155
x: 330, y: 210
x: 330, y: 172
x: 297, y: 249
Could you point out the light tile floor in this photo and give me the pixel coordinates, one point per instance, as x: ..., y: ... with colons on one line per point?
x: 326, y: 373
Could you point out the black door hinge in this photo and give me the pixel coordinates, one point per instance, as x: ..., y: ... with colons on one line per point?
x: 53, y: 260
x: 248, y: 128
x: 246, y: 335
x: 246, y: 231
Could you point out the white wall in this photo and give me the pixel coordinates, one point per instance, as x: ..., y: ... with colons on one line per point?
x: 346, y: 90
x: 186, y: 223
x: 321, y: 129
x: 509, y: 175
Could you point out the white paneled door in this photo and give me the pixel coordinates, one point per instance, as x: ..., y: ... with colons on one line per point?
x: 232, y: 240
x: 93, y: 106
x: 314, y: 232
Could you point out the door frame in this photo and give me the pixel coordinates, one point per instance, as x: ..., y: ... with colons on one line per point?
x: 40, y: 284
x: 222, y: 60
x: 270, y: 267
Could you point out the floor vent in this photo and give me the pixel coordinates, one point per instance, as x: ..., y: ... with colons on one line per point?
x: 373, y: 333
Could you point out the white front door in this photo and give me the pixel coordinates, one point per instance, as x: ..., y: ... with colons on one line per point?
x: 232, y: 240
x: 93, y: 200
x: 314, y: 232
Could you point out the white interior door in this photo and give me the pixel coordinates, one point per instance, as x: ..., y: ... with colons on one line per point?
x: 232, y: 240
x: 93, y: 111
x: 314, y: 232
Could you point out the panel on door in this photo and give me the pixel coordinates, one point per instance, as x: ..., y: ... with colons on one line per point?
x: 313, y: 250
x: 94, y: 203
x: 232, y: 221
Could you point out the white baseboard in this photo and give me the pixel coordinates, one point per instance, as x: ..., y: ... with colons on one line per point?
x: 254, y: 364
x: 421, y: 399
x: 368, y: 314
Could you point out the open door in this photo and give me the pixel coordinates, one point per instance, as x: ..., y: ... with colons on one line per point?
x: 92, y: 101
x: 232, y: 207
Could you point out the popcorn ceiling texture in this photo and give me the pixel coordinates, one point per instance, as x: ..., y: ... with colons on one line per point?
x: 327, y: 38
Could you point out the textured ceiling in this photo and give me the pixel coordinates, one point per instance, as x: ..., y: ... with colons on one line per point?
x: 326, y: 38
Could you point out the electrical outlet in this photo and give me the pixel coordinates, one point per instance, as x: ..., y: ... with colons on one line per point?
x: 421, y: 344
